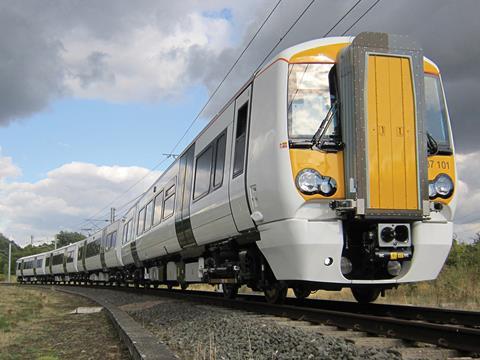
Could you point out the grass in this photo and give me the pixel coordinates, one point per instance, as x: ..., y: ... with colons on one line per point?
x: 4, y: 278
x: 36, y: 324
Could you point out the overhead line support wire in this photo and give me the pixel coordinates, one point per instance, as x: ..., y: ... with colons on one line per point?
x: 362, y: 16
x: 284, y: 35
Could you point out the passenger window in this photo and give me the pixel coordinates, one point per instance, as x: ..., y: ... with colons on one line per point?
x: 130, y: 230
x: 219, y: 161
x: 93, y: 248
x: 169, y: 202
x: 126, y: 231
x: 148, y: 216
x: 114, y: 239
x: 57, y: 259
x: 157, y: 210
x: 141, y: 221
x: 108, y: 241
x: 203, y: 170
x: 240, y: 140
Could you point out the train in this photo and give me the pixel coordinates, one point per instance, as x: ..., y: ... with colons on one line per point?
x: 332, y: 167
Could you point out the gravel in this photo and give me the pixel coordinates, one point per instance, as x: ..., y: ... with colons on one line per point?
x: 195, y: 331
x: 201, y: 332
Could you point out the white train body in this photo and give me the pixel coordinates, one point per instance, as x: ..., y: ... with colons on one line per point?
x: 232, y: 208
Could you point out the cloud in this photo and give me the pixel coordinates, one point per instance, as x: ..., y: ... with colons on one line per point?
x: 8, y: 169
x: 119, y: 51
x: 31, y: 69
x: 467, y: 217
x: 146, y: 65
x: 65, y: 197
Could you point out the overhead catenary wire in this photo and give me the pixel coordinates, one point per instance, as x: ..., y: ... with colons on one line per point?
x: 341, y: 19
x: 200, y: 112
x: 226, y: 75
x: 361, y: 17
x: 285, y: 34
x: 324, y: 35
x: 295, y: 22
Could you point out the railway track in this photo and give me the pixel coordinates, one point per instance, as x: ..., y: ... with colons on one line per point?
x: 445, y: 328
x: 453, y: 333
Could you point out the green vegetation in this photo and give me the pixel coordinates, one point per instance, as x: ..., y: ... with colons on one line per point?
x: 67, y: 237
x: 456, y: 285
x: 37, y: 324
x: 63, y: 238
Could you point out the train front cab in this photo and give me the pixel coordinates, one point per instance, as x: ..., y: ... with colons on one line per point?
x: 367, y: 202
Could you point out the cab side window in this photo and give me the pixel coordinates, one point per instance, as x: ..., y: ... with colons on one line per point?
x: 240, y: 140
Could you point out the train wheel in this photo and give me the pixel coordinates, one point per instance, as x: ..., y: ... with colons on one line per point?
x: 169, y: 286
x: 275, y: 293
x: 301, y: 292
x: 184, y: 286
x: 230, y: 291
x: 365, y: 295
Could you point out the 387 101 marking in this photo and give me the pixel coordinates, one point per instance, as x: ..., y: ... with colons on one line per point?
x: 440, y: 164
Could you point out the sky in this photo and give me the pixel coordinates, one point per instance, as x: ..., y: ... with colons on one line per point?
x: 92, y: 94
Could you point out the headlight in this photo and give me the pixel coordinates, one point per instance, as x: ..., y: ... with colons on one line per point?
x: 328, y: 186
x: 442, y: 187
x: 310, y: 181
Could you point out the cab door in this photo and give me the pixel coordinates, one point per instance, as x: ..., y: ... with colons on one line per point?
x: 237, y: 191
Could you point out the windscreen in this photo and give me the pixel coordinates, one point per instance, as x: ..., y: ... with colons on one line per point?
x: 436, y: 113
x: 309, y: 99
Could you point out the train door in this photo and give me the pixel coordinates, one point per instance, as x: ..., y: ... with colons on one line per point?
x: 183, y: 225
x: 50, y: 263
x: 237, y: 191
x: 65, y: 256
x: 103, y: 244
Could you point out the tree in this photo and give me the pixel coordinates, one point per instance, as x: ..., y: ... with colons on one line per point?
x: 67, y: 237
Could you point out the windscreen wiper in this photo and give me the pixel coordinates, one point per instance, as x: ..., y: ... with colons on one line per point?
x: 317, y: 139
x: 431, y: 144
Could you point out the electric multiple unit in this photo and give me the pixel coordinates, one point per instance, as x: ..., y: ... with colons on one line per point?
x: 331, y: 167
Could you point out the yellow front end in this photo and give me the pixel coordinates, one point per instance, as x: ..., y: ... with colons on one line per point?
x: 395, y: 166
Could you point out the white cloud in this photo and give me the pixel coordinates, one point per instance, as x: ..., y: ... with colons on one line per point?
x: 467, y: 217
x: 112, y: 50
x: 8, y: 169
x: 65, y: 197
x: 145, y: 64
